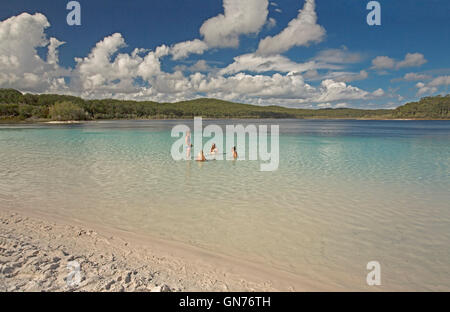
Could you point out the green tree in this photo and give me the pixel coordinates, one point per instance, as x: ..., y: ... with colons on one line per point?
x: 63, y: 111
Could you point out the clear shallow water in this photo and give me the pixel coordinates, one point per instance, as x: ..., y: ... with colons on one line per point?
x: 346, y: 193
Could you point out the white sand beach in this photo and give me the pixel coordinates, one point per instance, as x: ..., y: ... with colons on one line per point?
x: 35, y: 252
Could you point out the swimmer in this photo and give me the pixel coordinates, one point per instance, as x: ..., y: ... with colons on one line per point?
x: 201, y: 156
x: 214, y: 149
x: 233, y: 151
x: 188, y: 144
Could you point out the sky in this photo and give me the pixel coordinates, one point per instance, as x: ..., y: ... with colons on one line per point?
x: 294, y: 53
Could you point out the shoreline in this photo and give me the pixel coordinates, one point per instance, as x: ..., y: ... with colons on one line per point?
x: 55, y: 122
x: 36, y: 248
x: 80, y: 122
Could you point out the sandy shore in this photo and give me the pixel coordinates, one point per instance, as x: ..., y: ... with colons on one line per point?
x: 38, y: 254
x: 55, y: 122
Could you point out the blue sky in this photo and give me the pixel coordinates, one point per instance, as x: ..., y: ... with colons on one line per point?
x: 329, y: 58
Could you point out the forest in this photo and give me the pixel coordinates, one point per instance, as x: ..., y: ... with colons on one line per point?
x: 18, y: 107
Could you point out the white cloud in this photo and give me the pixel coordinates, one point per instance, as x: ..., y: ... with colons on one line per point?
x: 52, y: 55
x: 288, y: 90
x: 379, y: 92
x: 199, y: 66
x: 410, y: 60
x: 223, y: 30
x: 345, y: 76
x: 277, y: 89
x: 240, y: 17
x: 324, y: 105
x: 183, y: 49
x: 383, y: 62
x: 107, y: 73
x: 244, y: 85
x: 99, y: 75
x: 98, y: 72
x: 362, y: 75
x: 338, y: 56
x: 425, y: 90
x: 331, y: 90
x: 311, y: 74
x: 300, y: 31
x: 415, y: 76
x: 258, y: 64
x: 20, y: 64
x: 271, y: 23
x: 420, y: 85
x: 440, y: 81
x: 98, y: 62
x: 341, y: 105
x: 432, y: 86
x: 329, y: 105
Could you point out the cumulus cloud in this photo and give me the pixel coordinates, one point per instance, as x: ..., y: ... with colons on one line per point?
x: 332, y: 59
x: 338, y: 56
x: 275, y: 86
x: 415, y: 76
x: 383, y: 62
x: 301, y: 31
x: 378, y: 92
x: 199, y: 66
x: 98, y: 72
x: 311, y: 74
x: 20, y: 64
x: 289, y: 89
x: 183, y: 49
x: 107, y: 72
x: 410, y: 60
x: 257, y: 63
x: 331, y: 90
x: 341, y: 105
x: 239, y: 17
x: 440, y: 81
x: 424, y: 89
x: 329, y: 105
x: 433, y: 85
x: 344, y: 76
x: 324, y: 105
x: 52, y: 55
x: 362, y: 75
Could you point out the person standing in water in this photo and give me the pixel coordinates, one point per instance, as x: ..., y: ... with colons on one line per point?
x: 214, y: 149
x: 188, y: 144
x: 234, y: 152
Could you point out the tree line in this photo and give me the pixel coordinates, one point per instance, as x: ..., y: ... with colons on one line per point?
x: 15, y: 106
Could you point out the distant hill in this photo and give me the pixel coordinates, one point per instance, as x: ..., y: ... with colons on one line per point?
x: 15, y: 106
x: 436, y: 107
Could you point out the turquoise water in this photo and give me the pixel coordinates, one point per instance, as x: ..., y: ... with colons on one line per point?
x: 345, y: 193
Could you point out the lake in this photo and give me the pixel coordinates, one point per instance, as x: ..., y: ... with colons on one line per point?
x: 345, y: 193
